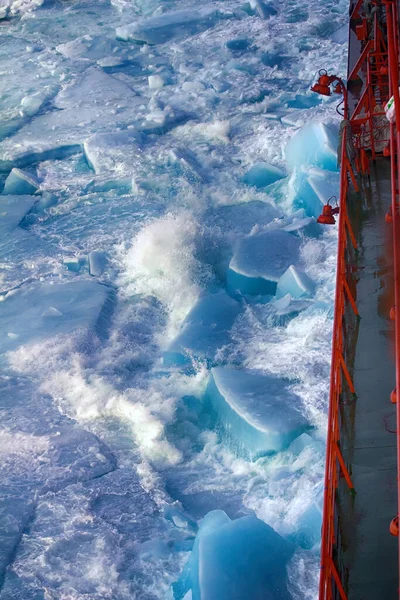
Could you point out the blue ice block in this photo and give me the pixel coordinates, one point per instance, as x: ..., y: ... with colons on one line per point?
x: 12, y: 210
x: 98, y: 260
x: 263, y: 9
x: 302, y: 101
x: 262, y: 174
x: 259, y: 412
x: 296, y: 283
x: 20, y: 183
x: 260, y: 260
x: 314, y: 188
x: 230, y: 558
x: 204, y: 330
x: 74, y: 263
x: 307, y: 226
x: 289, y: 307
x: 308, y: 530
x: 315, y: 144
x: 302, y: 442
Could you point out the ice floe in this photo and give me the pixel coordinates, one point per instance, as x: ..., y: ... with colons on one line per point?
x: 229, y: 556
x: 260, y: 260
x: 259, y: 412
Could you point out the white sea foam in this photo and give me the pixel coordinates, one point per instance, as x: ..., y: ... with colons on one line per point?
x: 161, y: 263
x: 18, y: 7
x: 17, y: 447
x: 86, y: 396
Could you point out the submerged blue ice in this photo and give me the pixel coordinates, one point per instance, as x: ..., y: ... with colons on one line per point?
x: 313, y: 189
x: 314, y: 145
x: 262, y: 174
x: 228, y: 555
x: 294, y: 282
x: 205, y: 330
x: 165, y: 297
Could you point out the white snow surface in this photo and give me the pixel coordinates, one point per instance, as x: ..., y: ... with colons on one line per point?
x: 139, y: 119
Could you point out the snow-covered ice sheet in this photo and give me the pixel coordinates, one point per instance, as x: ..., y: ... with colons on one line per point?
x: 160, y: 29
x: 162, y: 165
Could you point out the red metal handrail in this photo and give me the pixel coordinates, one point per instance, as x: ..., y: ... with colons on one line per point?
x: 393, y: 51
x: 375, y: 56
x: 334, y: 461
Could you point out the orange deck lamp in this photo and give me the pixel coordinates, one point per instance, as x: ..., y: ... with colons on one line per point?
x: 324, y: 87
x: 323, y: 84
x: 327, y: 217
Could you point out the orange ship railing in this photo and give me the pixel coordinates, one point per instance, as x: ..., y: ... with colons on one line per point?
x: 369, y: 132
x: 393, y: 50
x: 330, y: 576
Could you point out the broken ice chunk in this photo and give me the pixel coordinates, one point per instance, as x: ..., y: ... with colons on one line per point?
x: 262, y: 174
x: 12, y: 211
x: 264, y: 11
x: 160, y: 29
x: 204, y: 330
x: 51, y: 312
x: 260, y: 260
x: 162, y: 120
x: 4, y: 9
x: 20, y: 183
x: 231, y: 557
x: 113, y: 151
x: 286, y: 306
x: 302, y: 101
x: 304, y: 226
x: 97, y: 262
x: 157, y: 116
x: 30, y: 105
x: 313, y: 190
x: 308, y: 530
x: 315, y: 144
x: 73, y: 264
x: 156, y: 82
x: 179, y: 518
x: 306, y: 441
x: 47, y: 200
x: 294, y: 282
x: 94, y: 102
x: 259, y: 412
x: 94, y: 87
x: 31, y: 310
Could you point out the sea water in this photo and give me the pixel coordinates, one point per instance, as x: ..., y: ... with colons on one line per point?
x: 165, y: 296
